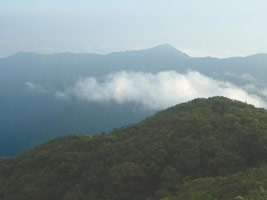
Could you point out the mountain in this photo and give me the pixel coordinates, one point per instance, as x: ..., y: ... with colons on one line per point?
x: 31, y: 113
x: 204, y: 149
x: 162, y: 53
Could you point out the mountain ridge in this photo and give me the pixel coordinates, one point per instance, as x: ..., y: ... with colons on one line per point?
x: 60, y: 72
x: 159, y: 48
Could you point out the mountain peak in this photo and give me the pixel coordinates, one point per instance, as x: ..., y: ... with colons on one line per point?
x: 167, y: 49
x: 165, y: 46
x: 163, y: 50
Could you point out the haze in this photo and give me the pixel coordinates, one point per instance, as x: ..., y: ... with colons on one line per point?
x: 199, y: 28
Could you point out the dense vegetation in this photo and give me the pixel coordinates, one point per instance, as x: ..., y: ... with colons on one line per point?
x: 206, y: 149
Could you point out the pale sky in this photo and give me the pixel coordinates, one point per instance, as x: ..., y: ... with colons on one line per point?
x: 220, y: 28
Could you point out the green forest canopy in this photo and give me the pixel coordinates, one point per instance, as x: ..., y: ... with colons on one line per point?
x: 206, y: 149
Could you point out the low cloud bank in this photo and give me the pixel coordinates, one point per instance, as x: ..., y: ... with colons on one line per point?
x: 156, y: 91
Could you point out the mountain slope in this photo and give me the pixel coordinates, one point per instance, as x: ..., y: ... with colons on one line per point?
x: 172, y: 153
x: 30, y: 113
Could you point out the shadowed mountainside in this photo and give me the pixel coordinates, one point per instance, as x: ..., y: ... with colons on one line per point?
x: 30, y: 116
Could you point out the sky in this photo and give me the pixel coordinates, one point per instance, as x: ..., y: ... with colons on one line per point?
x: 219, y: 28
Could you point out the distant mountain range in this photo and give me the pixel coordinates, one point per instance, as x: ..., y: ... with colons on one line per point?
x: 205, y: 149
x: 31, y: 86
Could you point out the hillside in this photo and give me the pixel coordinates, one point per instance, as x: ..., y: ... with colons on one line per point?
x: 31, y: 113
x: 212, y: 148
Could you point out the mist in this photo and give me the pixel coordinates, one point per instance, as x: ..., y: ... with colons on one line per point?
x: 156, y: 91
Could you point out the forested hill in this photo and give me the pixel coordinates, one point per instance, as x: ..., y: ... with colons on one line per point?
x: 38, y: 98
x: 206, y: 149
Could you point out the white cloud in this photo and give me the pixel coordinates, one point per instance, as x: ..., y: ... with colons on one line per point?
x: 157, y: 91
x: 264, y: 92
x: 35, y: 87
x: 61, y: 95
